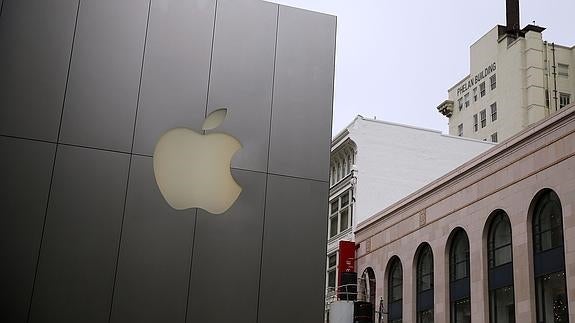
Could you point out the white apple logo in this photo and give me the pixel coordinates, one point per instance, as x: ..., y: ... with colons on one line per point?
x: 193, y: 170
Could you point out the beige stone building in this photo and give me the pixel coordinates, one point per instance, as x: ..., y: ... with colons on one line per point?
x: 516, y: 78
x: 493, y: 240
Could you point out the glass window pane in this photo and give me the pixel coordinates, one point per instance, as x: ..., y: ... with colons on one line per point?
x: 425, y: 283
x: 344, y: 224
x: 395, y: 282
x: 547, y: 223
x: 425, y: 316
x: 425, y: 270
x: 345, y: 199
x: 334, y: 206
x: 461, y: 311
x: 459, y: 256
x: 502, y: 305
x: 331, y: 279
x: 502, y: 234
x: 333, y: 226
x: 502, y: 256
x: 460, y: 270
x: 551, y: 298
x: 332, y: 260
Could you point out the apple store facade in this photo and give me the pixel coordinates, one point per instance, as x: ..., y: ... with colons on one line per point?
x: 88, y: 88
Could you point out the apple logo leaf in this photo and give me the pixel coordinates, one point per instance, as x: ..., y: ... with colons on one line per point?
x: 215, y: 119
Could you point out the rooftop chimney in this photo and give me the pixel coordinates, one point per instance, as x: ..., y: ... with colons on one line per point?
x: 513, y: 16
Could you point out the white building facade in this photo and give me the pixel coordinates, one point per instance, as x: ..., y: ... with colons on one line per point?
x: 516, y: 79
x: 376, y: 163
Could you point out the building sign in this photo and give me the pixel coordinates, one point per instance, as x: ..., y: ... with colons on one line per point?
x: 346, y: 258
x: 474, y: 80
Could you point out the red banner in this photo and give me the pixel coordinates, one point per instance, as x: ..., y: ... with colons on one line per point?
x: 346, y: 258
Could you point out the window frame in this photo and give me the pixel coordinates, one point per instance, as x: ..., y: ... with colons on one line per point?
x: 493, y: 108
x: 332, y: 269
x: 494, y: 137
x: 563, y: 69
x: 475, y: 123
x: 493, y: 82
x: 542, y: 202
x: 564, y: 99
x: 482, y: 89
x: 337, y: 213
x: 483, y: 118
x: 460, y: 237
x: 394, y: 303
x: 460, y: 130
x: 499, y: 219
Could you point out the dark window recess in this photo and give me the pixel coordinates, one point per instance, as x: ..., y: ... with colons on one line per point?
x: 395, y: 291
x: 493, y: 81
x: 459, y: 278
x: 475, y: 123
x: 549, y: 259
x: 493, y: 111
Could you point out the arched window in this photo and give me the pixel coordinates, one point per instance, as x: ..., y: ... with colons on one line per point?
x: 499, y: 250
x: 459, y: 286
x: 367, y: 289
x: 424, y: 284
x: 549, y: 259
x: 395, y: 291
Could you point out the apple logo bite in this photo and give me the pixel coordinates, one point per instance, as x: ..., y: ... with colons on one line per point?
x: 193, y: 170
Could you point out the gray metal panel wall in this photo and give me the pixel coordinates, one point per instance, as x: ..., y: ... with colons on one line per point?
x: 80, y: 244
x: 101, y: 244
x: 227, y: 251
x: 242, y: 76
x: 154, y: 262
x: 25, y: 173
x: 176, y: 70
x: 293, y: 260
x: 102, y: 92
x: 303, y: 94
x: 36, y: 39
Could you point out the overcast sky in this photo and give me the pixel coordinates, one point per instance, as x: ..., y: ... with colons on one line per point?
x: 396, y: 59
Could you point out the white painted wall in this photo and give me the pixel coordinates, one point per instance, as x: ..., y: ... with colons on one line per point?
x: 395, y: 160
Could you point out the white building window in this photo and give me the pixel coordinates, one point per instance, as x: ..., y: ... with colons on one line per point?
x: 460, y: 130
x: 494, y: 111
x: 483, y: 117
x: 331, y: 271
x: 564, y: 99
x: 340, y: 214
x: 475, y: 123
x: 482, y: 89
x: 493, y: 81
x: 466, y: 100
x: 563, y: 69
x: 460, y: 103
x: 474, y: 94
x: 494, y: 137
